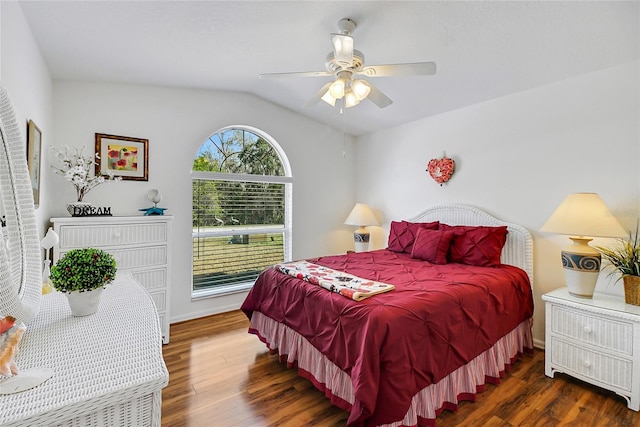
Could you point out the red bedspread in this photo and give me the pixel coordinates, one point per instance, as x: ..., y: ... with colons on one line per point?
x: 392, y: 345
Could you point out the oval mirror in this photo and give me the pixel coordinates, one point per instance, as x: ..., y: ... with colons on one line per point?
x: 20, y: 258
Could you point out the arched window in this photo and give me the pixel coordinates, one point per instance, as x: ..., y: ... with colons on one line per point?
x: 241, y: 182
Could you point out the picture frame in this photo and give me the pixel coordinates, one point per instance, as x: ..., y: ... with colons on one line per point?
x: 122, y: 156
x: 34, y: 154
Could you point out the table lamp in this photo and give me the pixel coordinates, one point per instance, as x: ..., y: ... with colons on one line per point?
x: 582, y: 216
x: 49, y: 241
x: 361, y: 216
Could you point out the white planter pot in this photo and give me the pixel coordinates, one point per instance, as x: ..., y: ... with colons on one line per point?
x: 84, y: 303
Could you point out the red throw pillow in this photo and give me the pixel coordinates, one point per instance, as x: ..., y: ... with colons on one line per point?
x: 432, y: 245
x: 402, y: 234
x: 476, y: 245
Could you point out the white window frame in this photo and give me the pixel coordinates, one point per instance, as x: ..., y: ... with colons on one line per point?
x: 286, y: 228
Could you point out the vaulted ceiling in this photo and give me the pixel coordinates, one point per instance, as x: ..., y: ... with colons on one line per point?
x: 483, y: 49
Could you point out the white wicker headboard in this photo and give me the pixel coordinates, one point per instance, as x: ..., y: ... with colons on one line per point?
x: 517, y: 251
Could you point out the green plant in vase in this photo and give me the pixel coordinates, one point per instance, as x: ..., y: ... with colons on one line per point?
x: 624, y: 259
x: 83, y: 271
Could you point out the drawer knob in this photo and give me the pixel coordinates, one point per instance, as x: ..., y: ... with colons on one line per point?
x: 116, y: 234
x: 586, y: 364
x: 587, y: 330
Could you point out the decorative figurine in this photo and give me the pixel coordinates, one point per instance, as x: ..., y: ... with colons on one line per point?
x: 10, y: 334
x: 12, y: 381
x: 155, y: 197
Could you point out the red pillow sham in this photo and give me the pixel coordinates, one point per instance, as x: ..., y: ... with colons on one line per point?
x: 476, y: 245
x: 432, y: 245
x: 403, y: 233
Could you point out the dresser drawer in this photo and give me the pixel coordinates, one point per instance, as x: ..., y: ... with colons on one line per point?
x: 608, y: 333
x: 604, y: 368
x: 155, y: 278
x: 160, y: 300
x: 137, y: 257
x: 81, y: 236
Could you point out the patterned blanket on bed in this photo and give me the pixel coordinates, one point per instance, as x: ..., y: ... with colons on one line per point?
x: 342, y: 283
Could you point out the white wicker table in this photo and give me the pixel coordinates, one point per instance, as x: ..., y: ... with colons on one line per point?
x: 596, y: 340
x: 108, y: 367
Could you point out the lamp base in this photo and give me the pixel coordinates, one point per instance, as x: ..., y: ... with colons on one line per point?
x: 361, y: 239
x: 581, y: 264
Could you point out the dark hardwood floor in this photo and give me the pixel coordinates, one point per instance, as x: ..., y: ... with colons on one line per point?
x: 221, y: 376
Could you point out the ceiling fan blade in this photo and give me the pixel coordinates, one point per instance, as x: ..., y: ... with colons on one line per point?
x: 314, y: 100
x: 409, y: 69
x: 377, y: 97
x: 297, y: 74
x: 342, y: 48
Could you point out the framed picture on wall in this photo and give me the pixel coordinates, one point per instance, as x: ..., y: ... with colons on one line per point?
x: 122, y: 156
x: 34, y: 148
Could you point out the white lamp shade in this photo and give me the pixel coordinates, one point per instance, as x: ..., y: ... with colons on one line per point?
x: 350, y: 100
x: 328, y: 98
x: 361, y: 89
x: 584, y: 214
x: 361, y: 216
x: 337, y: 89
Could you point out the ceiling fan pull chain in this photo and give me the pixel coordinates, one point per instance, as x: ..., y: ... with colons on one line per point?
x: 344, y: 131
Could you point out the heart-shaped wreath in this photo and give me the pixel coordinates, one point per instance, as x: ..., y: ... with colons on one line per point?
x: 441, y: 169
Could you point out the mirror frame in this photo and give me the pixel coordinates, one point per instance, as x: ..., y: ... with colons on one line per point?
x: 20, y: 254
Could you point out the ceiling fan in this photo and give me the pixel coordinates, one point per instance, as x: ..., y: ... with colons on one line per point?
x: 346, y: 63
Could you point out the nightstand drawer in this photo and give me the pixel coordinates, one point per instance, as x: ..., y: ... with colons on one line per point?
x: 608, y: 333
x: 606, y: 369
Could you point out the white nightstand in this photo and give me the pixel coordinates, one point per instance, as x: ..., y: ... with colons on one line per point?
x: 596, y: 340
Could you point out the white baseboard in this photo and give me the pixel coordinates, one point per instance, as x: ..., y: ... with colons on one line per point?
x: 538, y: 344
x: 209, y: 312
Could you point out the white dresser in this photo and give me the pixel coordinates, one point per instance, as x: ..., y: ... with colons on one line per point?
x: 140, y: 245
x: 596, y: 340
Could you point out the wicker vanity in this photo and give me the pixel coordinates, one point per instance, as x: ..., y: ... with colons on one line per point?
x: 108, y: 367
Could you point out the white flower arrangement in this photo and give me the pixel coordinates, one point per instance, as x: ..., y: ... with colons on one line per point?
x: 76, y: 168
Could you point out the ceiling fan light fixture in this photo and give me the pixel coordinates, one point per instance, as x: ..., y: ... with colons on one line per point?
x: 337, y: 89
x: 360, y: 89
x: 350, y: 99
x: 328, y: 98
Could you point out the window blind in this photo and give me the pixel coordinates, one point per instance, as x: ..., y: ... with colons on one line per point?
x: 238, y: 230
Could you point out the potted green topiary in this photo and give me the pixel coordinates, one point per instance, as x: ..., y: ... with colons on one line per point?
x: 624, y: 258
x: 82, y: 275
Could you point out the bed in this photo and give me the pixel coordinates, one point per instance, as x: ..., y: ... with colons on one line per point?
x: 399, y: 358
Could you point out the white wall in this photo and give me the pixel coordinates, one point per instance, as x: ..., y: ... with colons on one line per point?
x: 517, y: 157
x: 177, y: 122
x: 26, y: 78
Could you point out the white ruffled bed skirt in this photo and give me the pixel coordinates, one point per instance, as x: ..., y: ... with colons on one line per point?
x: 461, y: 384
